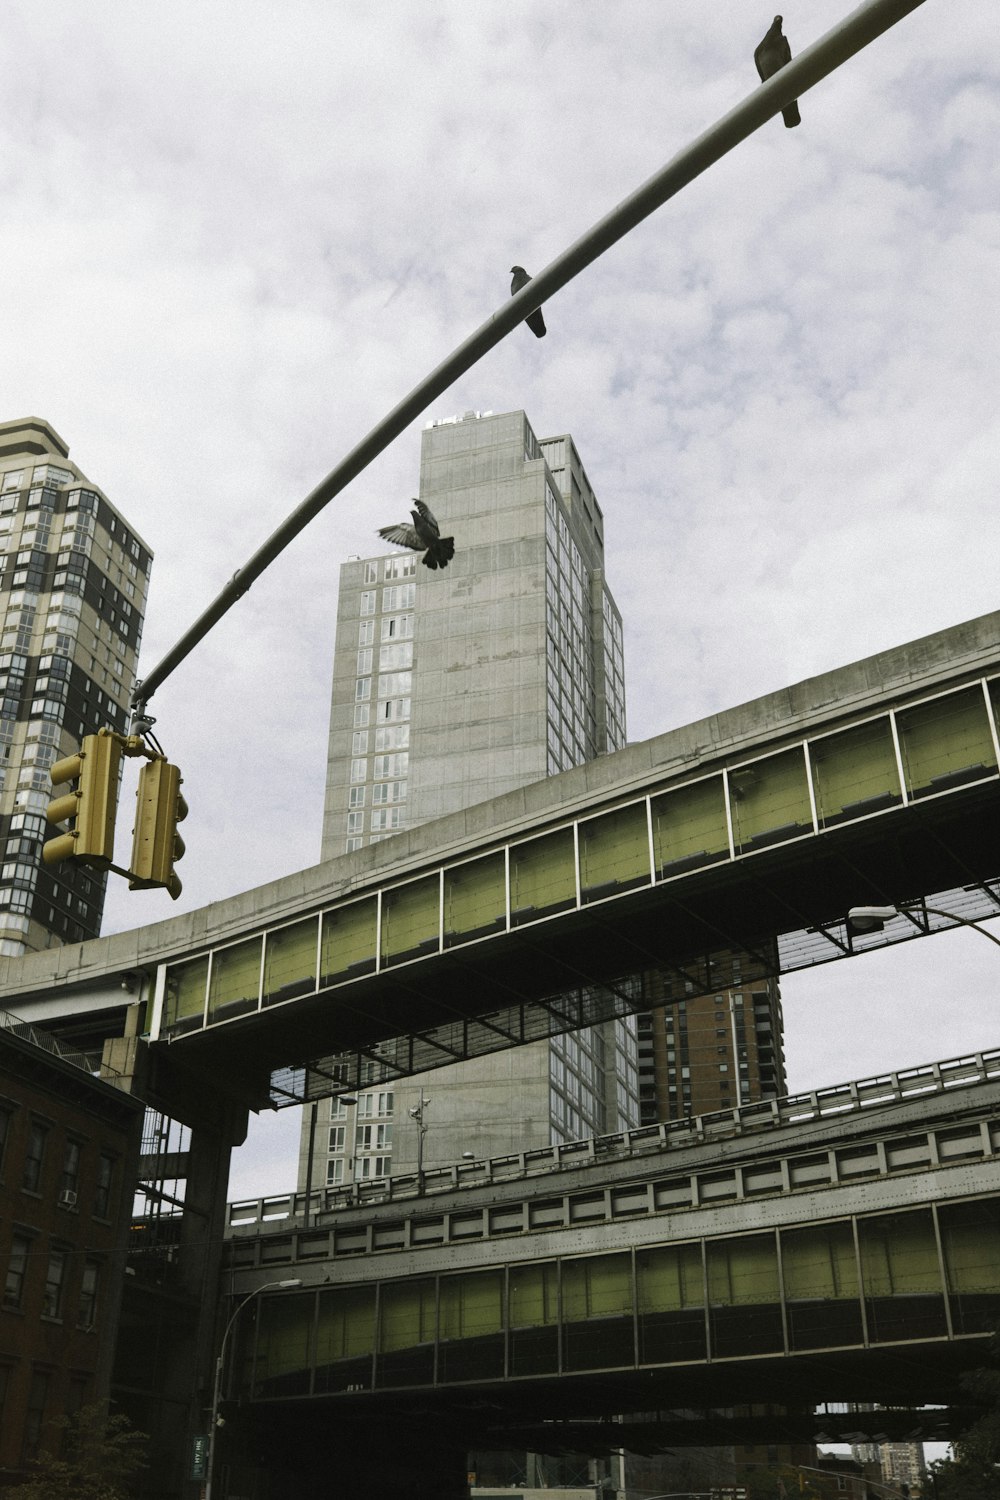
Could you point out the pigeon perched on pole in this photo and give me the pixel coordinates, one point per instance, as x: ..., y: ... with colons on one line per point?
x: 534, y: 320
x: 771, y: 55
x: 423, y: 536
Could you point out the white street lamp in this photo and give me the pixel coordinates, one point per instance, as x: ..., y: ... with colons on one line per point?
x: 216, y: 1421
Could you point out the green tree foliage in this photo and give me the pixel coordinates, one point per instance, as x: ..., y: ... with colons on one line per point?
x: 782, y: 1482
x: 99, y: 1457
x: 974, y: 1472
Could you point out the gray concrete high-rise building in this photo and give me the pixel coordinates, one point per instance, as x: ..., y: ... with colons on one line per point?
x: 73, y: 582
x: 452, y: 687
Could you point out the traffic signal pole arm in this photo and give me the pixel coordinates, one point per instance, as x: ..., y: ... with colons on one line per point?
x: 848, y: 37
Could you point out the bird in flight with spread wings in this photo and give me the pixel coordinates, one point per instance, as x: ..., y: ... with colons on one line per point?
x: 423, y: 536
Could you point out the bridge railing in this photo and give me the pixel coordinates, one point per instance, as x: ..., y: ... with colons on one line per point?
x: 90, y: 1063
x: 766, y: 1114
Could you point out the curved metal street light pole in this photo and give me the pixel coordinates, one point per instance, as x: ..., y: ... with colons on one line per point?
x: 865, y: 919
x: 286, y: 1284
x: 936, y: 911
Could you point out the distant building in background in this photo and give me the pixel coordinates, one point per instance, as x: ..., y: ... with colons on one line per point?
x: 711, y: 1052
x: 903, y: 1463
x: 453, y: 687
x: 72, y: 598
x: 898, y: 1463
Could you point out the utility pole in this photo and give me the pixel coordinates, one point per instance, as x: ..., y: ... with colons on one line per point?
x: 417, y: 1113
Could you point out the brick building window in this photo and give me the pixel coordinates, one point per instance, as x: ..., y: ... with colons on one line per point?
x: 17, y: 1270
x: 87, y: 1313
x: 34, y: 1416
x: 105, y: 1179
x: 34, y: 1157
x: 55, y: 1275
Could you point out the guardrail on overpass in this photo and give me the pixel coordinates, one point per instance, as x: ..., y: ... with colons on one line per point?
x: 728, y: 1124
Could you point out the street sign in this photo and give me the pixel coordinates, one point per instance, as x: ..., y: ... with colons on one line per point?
x: 199, y: 1458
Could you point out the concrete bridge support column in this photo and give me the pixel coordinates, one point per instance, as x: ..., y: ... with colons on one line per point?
x: 167, y: 1345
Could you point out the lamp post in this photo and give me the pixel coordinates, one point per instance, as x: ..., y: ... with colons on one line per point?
x: 417, y: 1113
x: 865, y: 919
x: 216, y: 1422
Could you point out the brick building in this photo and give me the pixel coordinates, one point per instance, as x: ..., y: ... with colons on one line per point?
x: 68, y: 1147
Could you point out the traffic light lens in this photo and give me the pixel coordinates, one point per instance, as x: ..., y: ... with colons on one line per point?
x: 63, y: 808
x: 56, y: 849
x: 67, y: 769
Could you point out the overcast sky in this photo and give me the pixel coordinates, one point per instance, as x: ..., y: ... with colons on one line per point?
x: 235, y: 234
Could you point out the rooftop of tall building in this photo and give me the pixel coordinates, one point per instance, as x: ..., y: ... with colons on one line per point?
x: 31, y: 435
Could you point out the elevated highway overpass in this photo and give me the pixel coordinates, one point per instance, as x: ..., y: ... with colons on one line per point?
x: 722, y: 1276
x: 754, y: 830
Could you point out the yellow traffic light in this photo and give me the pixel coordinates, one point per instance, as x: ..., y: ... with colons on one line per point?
x: 91, y: 807
x: 156, y: 844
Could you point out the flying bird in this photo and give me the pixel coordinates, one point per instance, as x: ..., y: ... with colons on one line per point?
x: 771, y: 55
x: 423, y: 536
x: 534, y: 320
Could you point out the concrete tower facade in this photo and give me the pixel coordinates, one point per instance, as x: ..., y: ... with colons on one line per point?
x: 451, y: 687
x: 72, y: 598
x: 505, y: 667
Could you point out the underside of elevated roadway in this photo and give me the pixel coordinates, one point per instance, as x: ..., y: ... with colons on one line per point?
x: 917, y: 1389
x: 418, y: 1438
